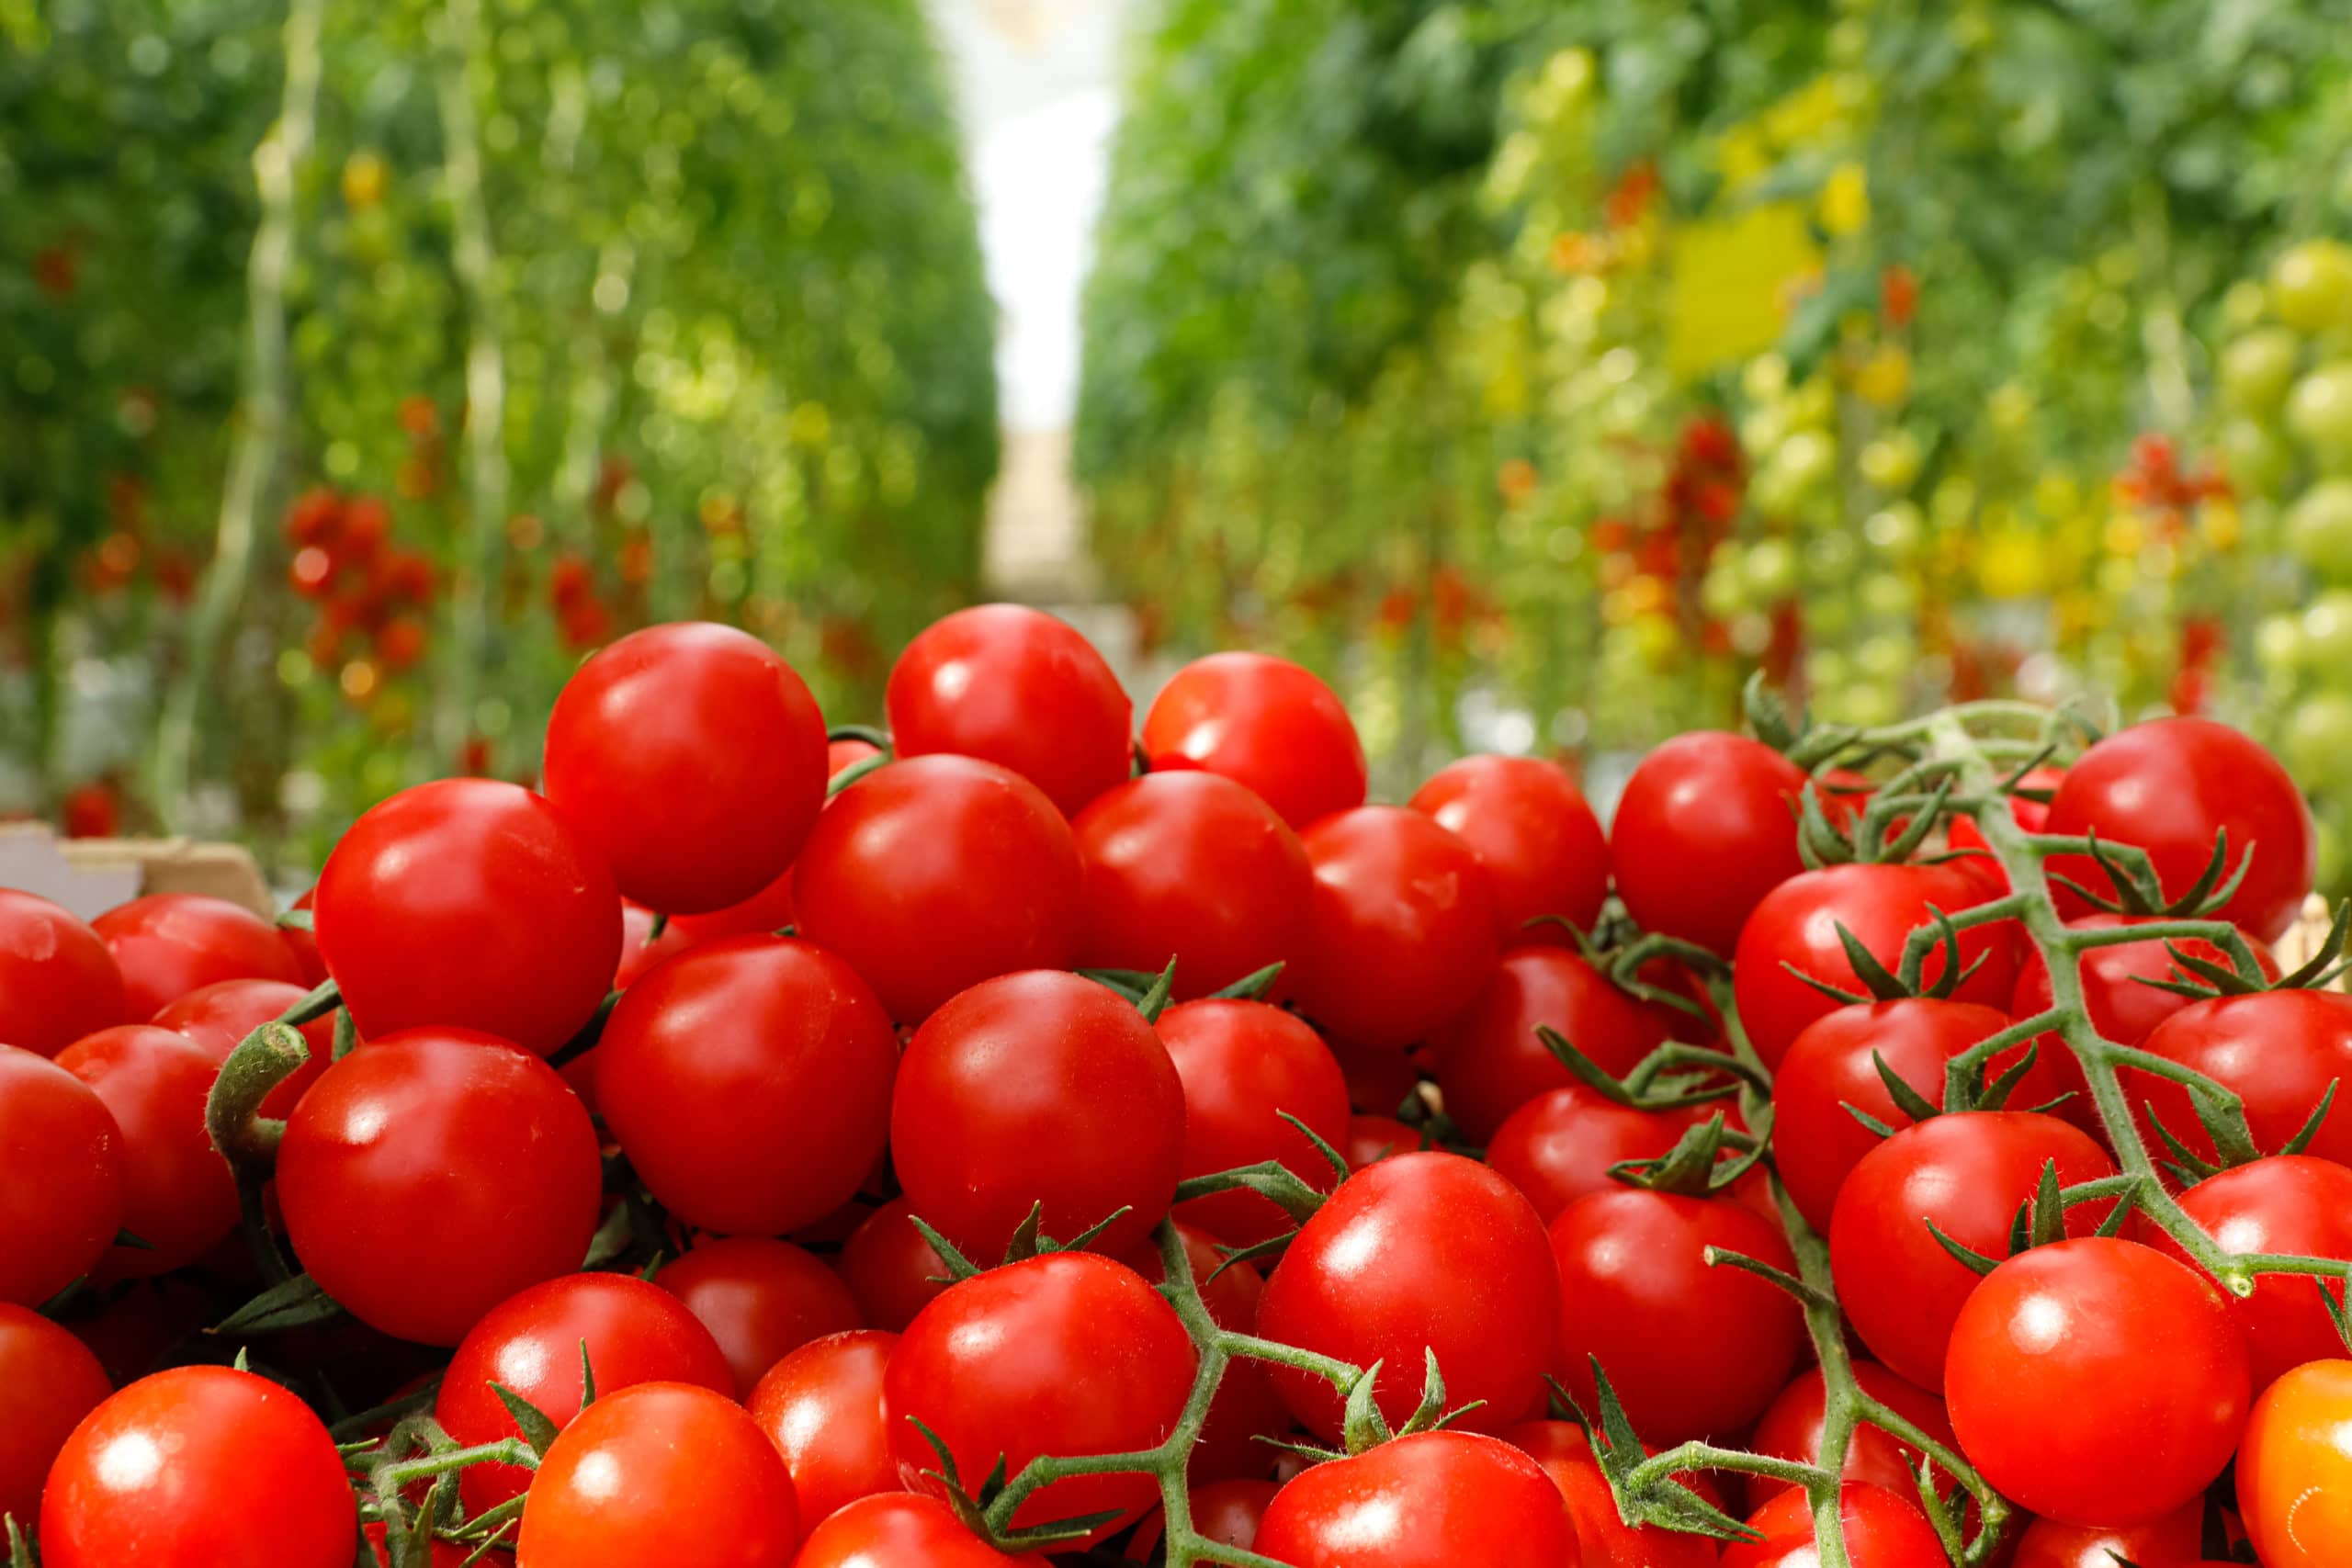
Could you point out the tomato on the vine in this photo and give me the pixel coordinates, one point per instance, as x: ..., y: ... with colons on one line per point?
x: 1604, y: 1537
x: 178, y: 1195
x: 1882, y: 1529
x: 2290, y: 1203
x: 890, y: 1269
x: 2174, y: 1538
x: 760, y: 1299
x: 1228, y: 1512
x: 168, y: 944
x: 218, y: 1017
x: 2277, y: 1051
x: 2065, y: 1346
x: 1560, y: 1146
x: 61, y: 1180
x: 1433, y: 1500
x: 901, y: 1530
x: 1264, y: 722
x: 1372, y: 1139
x: 1706, y: 826
x: 48, y: 1382
x: 58, y: 978
x: 1490, y: 1060
x: 1530, y: 826
x: 822, y: 1405
x: 2294, y: 1469
x: 1247, y: 1408
x: 1244, y: 1066
x: 1791, y: 1429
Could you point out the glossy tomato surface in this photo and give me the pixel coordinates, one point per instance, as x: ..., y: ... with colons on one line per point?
x: 822, y: 1405
x: 1435, y: 1500
x: 2292, y: 1204
x: 2294, y: 1475
x: 1264, y: 722
x: 901, y: 1531
x: 1530, y: 824
x: 1245, y: 1067
x: 178, y: 1195
x: 760, y: 1299
x: 1882, y: 1529
x: 168, y: 944
x: 59, y: 980
x: 1604, y: 1538
x: 2278, y: 1051
x: 1560, y: 1146
x: 1706, y: 826
x: 49, y: 1380
x: 62, y: 1183
x: 1489, y: 1059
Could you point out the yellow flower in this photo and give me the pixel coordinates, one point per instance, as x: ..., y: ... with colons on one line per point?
x: 1846, y: 199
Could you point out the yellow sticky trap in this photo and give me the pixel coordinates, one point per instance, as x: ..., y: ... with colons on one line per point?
x: 1727, y: 282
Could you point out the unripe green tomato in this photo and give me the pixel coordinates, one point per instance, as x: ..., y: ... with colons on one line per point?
x: 1769, y: 570
x: 2317, y: 745
x: 2258, y: 459
x: 2327, y: 633
x: 2310, y: 285
x: 2259, y: 367
x: 2319, y: 529
x: 1761, y: 430
x: 1892, y: 462
x: 2319, y: 411
x: 1765, y: 378
x: 1899, y: 530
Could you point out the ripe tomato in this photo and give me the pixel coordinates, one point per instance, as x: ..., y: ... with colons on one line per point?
x: 442, y: 1148
x: 1246, y: 1407
x: 760, y: 1299
x: 690, y: 758
x: 58, y: 978
x: 2294, y: 1479
x: 469, y: 904
x: 1037, y: 1088
x: 1967, y: 1173
x: 662, y: 1472
x: 1423, y: 1251
x: 1372, y: 1139
x: 1560, y: 1146
x: 641, y: 950
x: 1379, y: 1079
x: 61, y: 1185
x: 1262, y: 722
x: 889, y: 1268
x: 1706, y: 826
x: 901, y: 1530
x: 1433, y: 1500
x: 2168, y: 786
x: 1243, y: 1065
x: 1225, y: 1511
x: 1882, y: 1529
x: 2293, y: 1204
x: 153, y: 1475
x: 2123, y: 1009
x: 168, y: 944
x: 932, y: 874
x: 48, y: 1382
x: 530, y: 1344
x: 219, y: 1017
x: 1402, y: 930
x: 1490, y: 1061
x: 1068, y: 1353
x: 304, y: 945
x: 821, y: 1406
x: 1606, y: 1540
x: 1791, y: 1429
x: 1691, y: 1350
x: 1829, y: 1067
x: 1531, y: 826
x: 1194, y: 868
x: 1016, y: 687
x: 704, y: 1059
x: 2174, y: 1538
x: 1797, y: 924
x: 2278, y: 1050
x: 178, y: 1195
x: 2062, y: 1346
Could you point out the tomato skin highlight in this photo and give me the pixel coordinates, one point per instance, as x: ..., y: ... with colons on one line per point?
x: 179, y: 1195
x: 1262, y: 722
x: 61, y: 1185
x: 161, y: 1474
x: 2174, y: 1538
x: 462, y: 1133
x: 1706, y: 826
x: 1528, y: 822
x: 168, y: 944
x: 1490, y: 1061
x: 2294, y: 1469
x: 2064, y: 1345
x: 1433, y: 1500
x: 49, y: 1382
x: 1560, y: 1146
x: 1018, y: 688
x: 1244, y: 1066
x: 661, y: 1472
x: 59, y: 980
x: 822, y: 1405
x: 1882, y: 1529
x: 219, y: 1017
x: 760, y: 1300
x: 2287, y: 1203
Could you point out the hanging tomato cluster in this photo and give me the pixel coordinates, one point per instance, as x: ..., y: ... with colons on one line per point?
x: 373, y: 598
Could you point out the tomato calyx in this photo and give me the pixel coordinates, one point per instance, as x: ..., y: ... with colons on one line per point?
x: 976, y: 1510
x: 2040, y: 1220
x: 416, y: 1451
x: 1905, y: 982
x: 1027, y: 1242
x: 2243, y: 975
x: 2222, y: 1115
x: 1647, y: 1493
x: 1965, y: 1088
x: 2137, y: 889
x: 538, y: 1428
x: 1695, y: 1168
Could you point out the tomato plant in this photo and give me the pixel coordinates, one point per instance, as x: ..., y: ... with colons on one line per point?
x: 1560, y: 1146
x: 2292, y: 1204
x: 1490, y: 1060
x: 1791, y: 1428
x: 2278, y: 1051
x: 1603, y: 1536
x: 1882, y: 1528
x: 219, y: 1016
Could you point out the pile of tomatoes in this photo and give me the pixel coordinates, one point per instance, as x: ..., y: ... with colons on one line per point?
x: 761, y: 1145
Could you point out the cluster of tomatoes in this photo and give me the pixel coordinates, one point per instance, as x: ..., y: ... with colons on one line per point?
x: 762, y: 1145
x: 370, y: 593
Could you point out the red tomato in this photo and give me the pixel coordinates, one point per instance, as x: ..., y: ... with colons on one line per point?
x: 219, y: 1017
x: 2062, y: 1346
x: 764, y: 913
x: 662, y: 1472
x: 1706, y: 826
x: 1264, y: 722
x: 890, y: 1269
x: 761, y: 1300
x: 691, y: 759
x: 1882, y: 1529
x: 1433, y: 1500
x: 1818, y: 1142
x: 48, y: 1382
x: 2168, y: 786
x: 57, y: 979
x: 62, y: 1183
x: 1791, y: 1429
x: 1068, y: 1353
x: 2176, y: 1538
x: 901, y: 1531
x: 1565, y: 1454
x: 442, y: 1144
x: 821, y: 1406
x: 1016, y: 687
x: 1968, y: 1174
x: 1402, y: 930
x: 178, y: 1195
x: 1372, y: 1139
x: 1424, y: 1251
x: 469, y: 904
x: 2293, y: 1204
x: 1037, y: 1088
x: 155, y: 1475
x: 530, y: 1345
x: 1226, y: 1511
x: 1691, y: 1350
x: 641, y: 949
x: 707, y: 1057
x: 934, y: 873
x: 1490, y: 1061
x: 1560, y: 1146
x: 1194, y: 868
x: 1379, y: 1079
x: 1246, y: 1407
x: 1796, y: 925
x: 305, y: 945
x: 1531, y: 826
x: 2278, y: 1050
x: 1244, y: 1065
x: 2294, y: 1479
x: 168, y: 944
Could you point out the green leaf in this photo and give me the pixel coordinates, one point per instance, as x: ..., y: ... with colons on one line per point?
x: 1363, y: 1428
x: 1154, y: 1000
x: 1251, y: 986
x: 299, y: 1302
x: 529, y: 1419
x: 959, y: 1267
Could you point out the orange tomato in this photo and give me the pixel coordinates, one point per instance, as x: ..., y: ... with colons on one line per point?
x: 2295, y: 1468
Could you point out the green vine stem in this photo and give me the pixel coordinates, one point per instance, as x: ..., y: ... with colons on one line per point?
x: 261, y: 438
x: 247, y: 1139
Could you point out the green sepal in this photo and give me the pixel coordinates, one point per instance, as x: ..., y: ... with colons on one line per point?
x: 1251, y: 987
x: 299, y: 1302
x: 1966, y: 1255
x: 587, y: 1377
x: 1155, y: 999
x: 959, y: 1267
x: 1362, y: 1427
x: 1669, y: 1505
x: 529, y: 1420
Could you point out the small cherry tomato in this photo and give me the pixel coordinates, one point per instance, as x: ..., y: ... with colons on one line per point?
x: 890, y: 1269
x: 901, y: 1530
x: 1531, y: 826
x: 469, y: 904
x: 1560, y: 1146
x: 1607, y: 1541
x: 2291, y: 1203
x: 1707, y: 825
x: 168, y: 944
x: 1882, y: 1529
x: 1791, y: 1429
x: 162, y: 1472
x: 1247, y: 1407
x: 219, y: 1017
x: 821, y: 1406
x: 1490, y: 1061
x: 760, y: 1299
x: 434, y: 1173
x: 58, y: 978
x: 2294, y: 1477
x: 1372, y: 1139
x: 178, y: 1194
x: 48, y: 1382
x: 2174, y: 1538
x: 1244, y: 1066
x: 2278, y: 1051
x: 1264, y: 722
x: 1224, y: 1511
x: 662, y: 1472
x: 61, y: 1180
x: 2062, y: 1346
x: 1433, y: 1500
x: 304, y: 945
